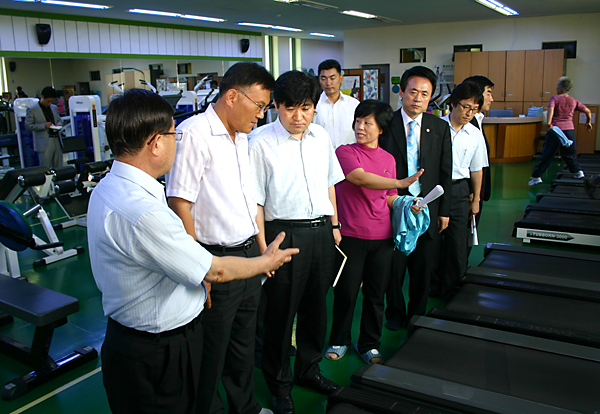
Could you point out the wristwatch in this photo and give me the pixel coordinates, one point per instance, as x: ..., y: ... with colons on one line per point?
x: 337, y: 226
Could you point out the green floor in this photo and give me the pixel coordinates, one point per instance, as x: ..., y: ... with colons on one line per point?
x: 81, y: 390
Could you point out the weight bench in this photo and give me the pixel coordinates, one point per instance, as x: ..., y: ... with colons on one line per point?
x: 47, y: 310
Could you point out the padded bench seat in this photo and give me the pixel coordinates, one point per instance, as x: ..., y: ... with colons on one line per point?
x: 34, y: 304
x: 47, y: 310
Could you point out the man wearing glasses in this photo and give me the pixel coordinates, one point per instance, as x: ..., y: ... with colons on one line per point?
x: 295, y: 171
x: 211, y: 189
x: 469, y: 157
x: 150, y: 271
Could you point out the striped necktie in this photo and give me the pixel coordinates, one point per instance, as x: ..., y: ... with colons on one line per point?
x: 412, y: 157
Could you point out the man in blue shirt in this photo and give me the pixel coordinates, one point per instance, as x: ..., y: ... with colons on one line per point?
x: 150, y: 271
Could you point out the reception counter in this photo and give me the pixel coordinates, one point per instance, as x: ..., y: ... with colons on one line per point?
x: 512, y: 139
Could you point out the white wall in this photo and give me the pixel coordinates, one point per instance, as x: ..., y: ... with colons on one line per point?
x: 19, y: 34
x: 316, y: 51
x: 382, y: 45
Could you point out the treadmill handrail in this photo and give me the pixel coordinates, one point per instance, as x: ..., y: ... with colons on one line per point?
x: 508, y: 338
x: 538, y: 207
x: 543, y: 252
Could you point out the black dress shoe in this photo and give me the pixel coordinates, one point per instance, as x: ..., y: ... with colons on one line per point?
x: 318, y: 383
x: 283, y: 404
x: 392, y: 325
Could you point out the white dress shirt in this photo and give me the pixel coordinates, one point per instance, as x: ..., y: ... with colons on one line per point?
x: 417, y: 127
x: 479, y: 117
x: 337, y: 118
x: 293, y: 176
x: 468, y: 150
x: 213, y: 173
x: 149, y: 270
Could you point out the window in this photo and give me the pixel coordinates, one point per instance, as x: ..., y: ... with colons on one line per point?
x: 570, y: 48
x: 184, y: 68
x: 413, y: 54
x: 95, y: 75
x: 467, y: 48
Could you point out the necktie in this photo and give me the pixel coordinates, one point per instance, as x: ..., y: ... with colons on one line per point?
x: 412, y: 157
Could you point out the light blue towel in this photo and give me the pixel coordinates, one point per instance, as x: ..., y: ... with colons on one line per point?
x: 407, y: 227
x: 561, y: 135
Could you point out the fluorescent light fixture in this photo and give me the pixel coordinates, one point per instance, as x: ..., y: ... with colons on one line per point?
x: 499, y: 7
x: 358, y: 14
x: 270, y: 26
x: 207, y: 19
x: 153, y: 12
x: 69, y: 3
x: 321, y: 34
x: 169, y: 14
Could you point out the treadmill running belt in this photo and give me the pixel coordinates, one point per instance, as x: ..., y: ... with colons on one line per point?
x: 568, y: 189
x: 542, y: 265
x: 576, y: 320
x: 568, y: 205
x: 564, y: 222
x: 534, y: 375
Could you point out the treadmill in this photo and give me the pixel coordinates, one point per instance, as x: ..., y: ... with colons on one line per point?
x: 538, y: 314
x: 472, y: 369
x: 551, y: 272
x: 561, y: 220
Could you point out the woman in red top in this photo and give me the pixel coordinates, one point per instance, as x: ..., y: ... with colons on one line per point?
x: 560, y: 114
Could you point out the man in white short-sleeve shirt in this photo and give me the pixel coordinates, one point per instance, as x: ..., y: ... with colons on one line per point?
x: 211, y: 188
x: 335, y: 110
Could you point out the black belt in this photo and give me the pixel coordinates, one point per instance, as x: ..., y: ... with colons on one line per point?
x: 460, y: 180
x: 312, y: 223
x: 166, y: 334
x: 229, y: 249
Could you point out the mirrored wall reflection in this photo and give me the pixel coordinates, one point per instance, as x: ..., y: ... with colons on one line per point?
x: 92, y: 76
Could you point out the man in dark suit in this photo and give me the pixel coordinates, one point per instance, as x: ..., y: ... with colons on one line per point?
x: 42, y: 118
x: 435, y: 157
x: 486, y: 87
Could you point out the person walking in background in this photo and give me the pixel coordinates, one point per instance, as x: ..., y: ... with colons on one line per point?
x: 560, y: 114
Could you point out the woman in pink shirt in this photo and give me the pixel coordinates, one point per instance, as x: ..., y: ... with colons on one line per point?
x: 560, y: 114
x: 364, y: 200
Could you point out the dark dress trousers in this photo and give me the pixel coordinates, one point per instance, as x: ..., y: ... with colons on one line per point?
x: 435, y: 155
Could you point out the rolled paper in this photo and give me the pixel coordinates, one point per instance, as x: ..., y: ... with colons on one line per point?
x: 433, y: 194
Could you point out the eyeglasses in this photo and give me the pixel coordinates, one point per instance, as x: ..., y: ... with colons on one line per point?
x: 178, y: 136
x: 261, y: 108
x: 469, y: 108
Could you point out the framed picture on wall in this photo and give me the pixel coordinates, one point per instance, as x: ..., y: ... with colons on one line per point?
x: 68, y: 91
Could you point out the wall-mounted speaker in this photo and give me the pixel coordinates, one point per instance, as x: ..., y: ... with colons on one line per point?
x: 245, y: 45
x: 44, y: 31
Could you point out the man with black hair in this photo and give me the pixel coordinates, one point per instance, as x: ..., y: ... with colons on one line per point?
x: 418, y: 140
x: 335, y: 110
x: 211, y: 190
x: 469, y: 157
x: 295, y: 171
x: 150, y: 271
x: 486, y: 86
x: 41, y: 118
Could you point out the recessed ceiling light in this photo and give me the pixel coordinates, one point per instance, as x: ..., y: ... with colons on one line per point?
x: 358, y: 14
x: 69, y: 4
x: 321, y: 34
x: 499, y: 7
x: 269, y: 26
x: 170, y: 14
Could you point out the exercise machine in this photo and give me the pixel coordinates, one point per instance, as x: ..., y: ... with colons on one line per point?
x: 87, y: 122
x: 27, y: 154
x: 472, y: 369
x: 12, y: 186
